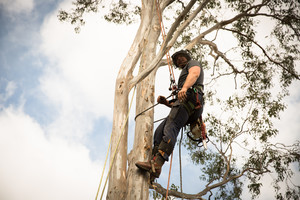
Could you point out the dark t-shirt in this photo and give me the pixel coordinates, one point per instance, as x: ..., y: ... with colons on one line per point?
x: 185, y: 71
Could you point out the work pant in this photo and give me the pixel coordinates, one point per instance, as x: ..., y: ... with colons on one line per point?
x: 178, y: 117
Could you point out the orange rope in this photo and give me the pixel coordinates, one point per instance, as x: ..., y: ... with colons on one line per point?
x: 163, y: 32
x: 169, y: 176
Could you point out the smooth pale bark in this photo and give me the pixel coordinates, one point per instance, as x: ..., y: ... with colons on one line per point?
x: 138, y: 183
x: 138, y: 186
x: 117, y: 187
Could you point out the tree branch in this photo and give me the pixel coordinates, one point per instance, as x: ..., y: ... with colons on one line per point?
x: 135, y: 80
x: 220, y: 54
x: 265, y: 53
x: 161, y: 190
x: 165, y: 3
x: 220, y: 25
x: 184, y: 25
x: 163, y: 62
x: 228, y: 161
x: 286, y: 22
x: 258, y: 171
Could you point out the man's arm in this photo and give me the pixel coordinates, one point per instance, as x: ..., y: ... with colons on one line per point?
x: 194, y: 73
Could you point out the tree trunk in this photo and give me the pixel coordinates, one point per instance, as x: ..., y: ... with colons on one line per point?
x: 117, y: 187
x: 138, y: 187
x: 137, y: 181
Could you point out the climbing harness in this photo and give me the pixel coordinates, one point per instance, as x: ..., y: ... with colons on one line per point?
x: 189, y: 105
x: 115, y: 151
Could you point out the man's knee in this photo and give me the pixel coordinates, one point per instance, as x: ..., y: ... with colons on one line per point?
x: 165, y: 148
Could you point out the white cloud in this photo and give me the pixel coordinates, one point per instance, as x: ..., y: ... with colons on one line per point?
x: 17, y: 6
x: 85, y: 65
x: 34, y: 166
x: 9, y: 91
x: 79, y: 82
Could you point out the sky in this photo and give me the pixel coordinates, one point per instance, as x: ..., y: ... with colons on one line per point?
x: 56, y: 102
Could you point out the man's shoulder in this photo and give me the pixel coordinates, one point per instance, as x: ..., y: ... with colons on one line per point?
x: 194, y: 63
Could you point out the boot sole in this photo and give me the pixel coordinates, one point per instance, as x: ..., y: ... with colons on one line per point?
x: 155, y: 175
x: 142, y: 167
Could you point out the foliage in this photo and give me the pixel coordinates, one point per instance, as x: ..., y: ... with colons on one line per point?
x: 76, y: 16
x: 123, y: 13
x: 119, y: 13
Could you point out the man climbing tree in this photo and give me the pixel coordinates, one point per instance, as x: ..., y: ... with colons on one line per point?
x: 185, y: 110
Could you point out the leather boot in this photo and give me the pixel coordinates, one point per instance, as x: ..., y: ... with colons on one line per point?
x: 153, y: 166
x: 142, y: 164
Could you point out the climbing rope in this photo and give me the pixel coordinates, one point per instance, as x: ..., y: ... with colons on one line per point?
x: 173, y: 86
x: 169, y: 176
x: 150, y: 107
x: 103, y: 167
x: 159, y: 120
x: 115, y: 151
x: 180, y: 166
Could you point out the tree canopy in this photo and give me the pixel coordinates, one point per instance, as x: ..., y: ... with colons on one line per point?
x: 254, y: 45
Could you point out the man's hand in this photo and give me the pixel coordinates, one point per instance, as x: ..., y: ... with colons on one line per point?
x: 162, y: 100
x: 182, y: 95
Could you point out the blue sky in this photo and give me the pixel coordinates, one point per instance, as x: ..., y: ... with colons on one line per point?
x: 56, y: 102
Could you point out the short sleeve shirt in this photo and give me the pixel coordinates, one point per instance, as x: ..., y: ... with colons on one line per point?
x: 185, y: 71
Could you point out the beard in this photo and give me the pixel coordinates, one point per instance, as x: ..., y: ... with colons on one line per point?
x: 182, y: 64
